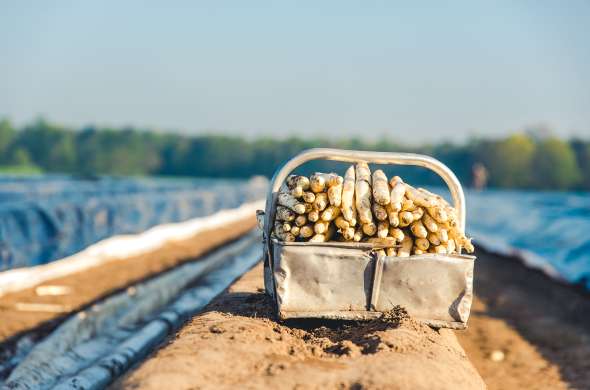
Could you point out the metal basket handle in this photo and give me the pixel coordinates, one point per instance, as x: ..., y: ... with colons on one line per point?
x: 353, y: 156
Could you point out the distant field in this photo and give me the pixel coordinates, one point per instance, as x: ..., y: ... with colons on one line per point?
x: 47, y: 217
x: 20, y: 170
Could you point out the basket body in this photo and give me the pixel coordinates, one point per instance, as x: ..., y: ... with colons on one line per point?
x: 350, y: 282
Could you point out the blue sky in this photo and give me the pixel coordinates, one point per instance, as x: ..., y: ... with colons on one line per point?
x: 427, y: 71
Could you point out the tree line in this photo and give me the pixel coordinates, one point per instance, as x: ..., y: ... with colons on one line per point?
x: 518, y: 161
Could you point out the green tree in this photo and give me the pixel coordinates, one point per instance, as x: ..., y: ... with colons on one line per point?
x: 49, y: 146
x: 459, y: 158
x: 21, y: 157
x: 508, y: 161
x: 582, y: 150
x: 555, y: 166
x: 118, y: 152
x: 7, y: 134
x: 518, y: 161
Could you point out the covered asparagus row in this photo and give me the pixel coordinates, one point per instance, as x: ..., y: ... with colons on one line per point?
x: 365, y: 207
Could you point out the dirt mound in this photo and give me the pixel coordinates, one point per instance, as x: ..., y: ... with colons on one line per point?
x: 527, y: 331
x: 237, y: 342
x: 96, y: 283
x: 356, y: 338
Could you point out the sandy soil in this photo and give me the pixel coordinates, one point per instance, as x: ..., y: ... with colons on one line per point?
x: 96, y: 283
x: 237, y: 343
x: 525, y: 330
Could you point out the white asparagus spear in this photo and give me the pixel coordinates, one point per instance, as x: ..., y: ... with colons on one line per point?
x: 406, y: 246
x: 405, y: 218
x: 335, y: 193
x: 354, y: 220
x: 468, y: 245
x: 358, y: 234
x: 392, y: 213
x: 306, y: 231
x: 442, y: 235
x: 300, y: 220
x: 281, y: 234
x: 342, y: 223
x: 380, y: 212
x: 380, y: 188
x: 382, y: 229
x: 369, y: 228
x: 419, y: 198
x: 330, y: 213
x: 308, y: 197
x: 382, y: 241
x: 313, y: 215
x: 348, y: 207
x: 363, y: 193
x: 392, y: 252
x: 398, y: 190
x: 297, y: 192
x: 319, y: 238
x: 451, y: 246
x: 408, y: 205
x: 422, y: 243
x: 285, y: 214
x: 433, y: 238
x: 319, y: 182
x: 321, y: 227
x: 348, y: 233
x: 439, y: 199
x: 298, y: 181
x: 461, y: 240
x: 441, y: 249
x: 334, y: 180
x: 321, y: 201
x: 429, y: 223
x: 438, y: 213
x: 396, y: 233
x: 287, y: 200
x: 418, y: 213
x: 418, y: 229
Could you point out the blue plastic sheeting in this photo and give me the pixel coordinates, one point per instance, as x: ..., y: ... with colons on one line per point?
x: 91, y: 351
x: 50, y: 217
x: 548, y: 230
x: 544, y: 228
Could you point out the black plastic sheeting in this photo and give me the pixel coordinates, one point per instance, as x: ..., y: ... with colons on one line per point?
x: 46, y: 218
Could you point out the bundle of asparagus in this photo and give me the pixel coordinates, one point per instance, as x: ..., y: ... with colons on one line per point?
x: 367, y: 207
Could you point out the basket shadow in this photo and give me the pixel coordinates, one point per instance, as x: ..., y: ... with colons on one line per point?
x: 340, y: 333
